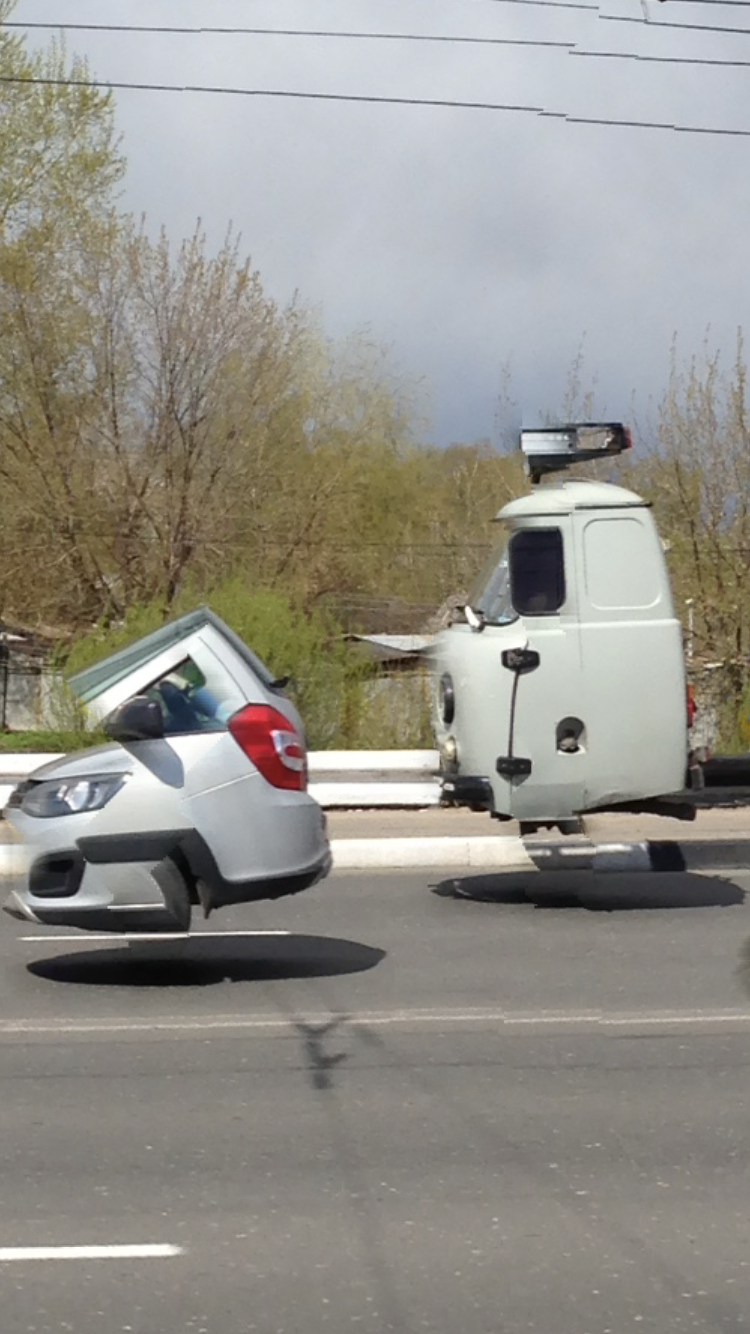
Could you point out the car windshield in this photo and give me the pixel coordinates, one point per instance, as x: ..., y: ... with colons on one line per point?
x: 490, y: 596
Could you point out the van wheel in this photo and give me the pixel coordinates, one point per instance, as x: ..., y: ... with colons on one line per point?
x: 175, y: 890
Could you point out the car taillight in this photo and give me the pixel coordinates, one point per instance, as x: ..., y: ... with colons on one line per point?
x: 691, y: 706
x: 273, y: 745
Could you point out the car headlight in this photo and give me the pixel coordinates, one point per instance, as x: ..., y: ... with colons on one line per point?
x: 71, y: 797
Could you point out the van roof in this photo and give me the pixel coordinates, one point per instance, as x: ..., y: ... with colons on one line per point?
x: 563, y: 497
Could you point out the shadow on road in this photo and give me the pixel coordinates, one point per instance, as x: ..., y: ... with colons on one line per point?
x: 204, y: 962
x: 606, y: 892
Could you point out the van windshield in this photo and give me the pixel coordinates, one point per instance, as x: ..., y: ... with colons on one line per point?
x: 490, y: 596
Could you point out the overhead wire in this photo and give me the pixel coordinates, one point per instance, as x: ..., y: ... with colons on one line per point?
x: 665, y: 23
x: 271, y: 92
x: 738, y: 4
x: 546, y: 4
x: 659, y: 60
x: 373, y: 99
x: 579, y: 5
x: 445, y: 38
x: 296, y: 32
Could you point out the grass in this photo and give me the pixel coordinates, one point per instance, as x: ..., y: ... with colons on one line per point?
x: 48, y: 743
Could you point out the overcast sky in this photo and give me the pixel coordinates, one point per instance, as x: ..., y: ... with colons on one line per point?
x: 464, y: 240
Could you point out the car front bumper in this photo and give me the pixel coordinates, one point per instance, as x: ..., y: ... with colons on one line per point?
x: 64, y: 874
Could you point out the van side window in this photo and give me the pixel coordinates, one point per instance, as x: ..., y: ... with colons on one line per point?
x: 537, y: 571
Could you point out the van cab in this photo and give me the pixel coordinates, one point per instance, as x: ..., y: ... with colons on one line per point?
x: 563, y: 690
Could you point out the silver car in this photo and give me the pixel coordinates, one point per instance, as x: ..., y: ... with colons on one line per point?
x: 200, y: 799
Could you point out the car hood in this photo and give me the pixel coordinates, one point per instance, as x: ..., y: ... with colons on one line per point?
x: 108, y: 759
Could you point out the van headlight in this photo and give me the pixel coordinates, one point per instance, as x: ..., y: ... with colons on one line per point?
x: 449, y: 752
x: 72, y: 797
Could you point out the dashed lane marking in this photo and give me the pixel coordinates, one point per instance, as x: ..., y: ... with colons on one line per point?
x: 158, y: 1251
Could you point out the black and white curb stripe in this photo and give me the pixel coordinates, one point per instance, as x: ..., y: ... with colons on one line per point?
x: 515, y: 854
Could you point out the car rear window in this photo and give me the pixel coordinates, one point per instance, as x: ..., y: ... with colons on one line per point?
x: 194, y: 700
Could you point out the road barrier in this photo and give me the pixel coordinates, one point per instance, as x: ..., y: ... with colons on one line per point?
x: 392, y: 779
x: 339, y: 779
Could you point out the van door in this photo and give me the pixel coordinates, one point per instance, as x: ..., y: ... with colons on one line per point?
x: 633, y: 657
x: 545, y: 756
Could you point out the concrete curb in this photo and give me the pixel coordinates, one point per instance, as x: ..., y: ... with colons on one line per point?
x: 492, y: 853
x: 495, y: 853
x: 723, y: 854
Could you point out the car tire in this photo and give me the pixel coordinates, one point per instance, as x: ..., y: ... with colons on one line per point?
x: 175, y: 890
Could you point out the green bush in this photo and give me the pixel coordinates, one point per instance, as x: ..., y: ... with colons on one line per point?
x: 742, y: 729
x: 104, y: 638
x: 306, y: 647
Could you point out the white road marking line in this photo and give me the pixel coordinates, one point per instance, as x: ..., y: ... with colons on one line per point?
x: 10, y: 1254
x: 375, y: 1019
x: 114, y: 936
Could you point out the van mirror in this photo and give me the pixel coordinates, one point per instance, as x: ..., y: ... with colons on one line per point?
x: 137, y: 719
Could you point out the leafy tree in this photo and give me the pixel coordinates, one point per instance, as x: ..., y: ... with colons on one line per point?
x: 59, y: 158
x: 695, y: 468
x: 59, y: 168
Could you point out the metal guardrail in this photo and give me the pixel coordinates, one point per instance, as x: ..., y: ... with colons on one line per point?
x: 339, y: 779
x: 382, y: 779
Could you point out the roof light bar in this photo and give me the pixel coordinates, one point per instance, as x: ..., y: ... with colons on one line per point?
x: 555, y: 448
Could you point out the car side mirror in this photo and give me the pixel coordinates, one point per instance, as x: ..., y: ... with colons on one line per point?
x: 138, y: 719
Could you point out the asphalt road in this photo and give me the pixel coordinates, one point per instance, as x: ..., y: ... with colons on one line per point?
x: 478, y: 1106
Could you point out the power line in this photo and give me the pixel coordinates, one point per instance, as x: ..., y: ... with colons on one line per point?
x: 418, y: 37
x: 371, y: 99
x: 303, y: 32
x: 271, y: 92
x: 683, y: 27
x: 293, y: 32
x: 660, y: 60
x: 549, y: 4
x: 650, y: 125
x: 579, y: 5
